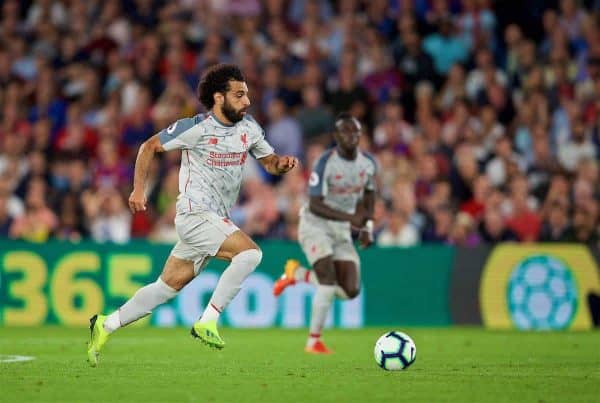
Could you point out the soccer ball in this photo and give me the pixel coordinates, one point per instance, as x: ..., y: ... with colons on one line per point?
x: 395, y: 351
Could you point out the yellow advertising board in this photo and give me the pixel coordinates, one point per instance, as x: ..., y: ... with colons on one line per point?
x: 538, y: 287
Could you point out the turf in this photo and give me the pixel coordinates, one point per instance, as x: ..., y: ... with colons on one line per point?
x: 166, y: 365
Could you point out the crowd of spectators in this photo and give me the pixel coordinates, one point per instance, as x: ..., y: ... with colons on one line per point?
x: 485, y: 130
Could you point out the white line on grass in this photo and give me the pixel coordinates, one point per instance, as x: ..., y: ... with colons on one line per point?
x: 15, y: 358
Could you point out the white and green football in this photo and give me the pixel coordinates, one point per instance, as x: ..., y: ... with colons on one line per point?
x: 395, y: 351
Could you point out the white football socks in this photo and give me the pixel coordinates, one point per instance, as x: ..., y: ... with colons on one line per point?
x: 141, y: 304
x: 230, y: 283
x: 308, y: 276
x: 320, y: 308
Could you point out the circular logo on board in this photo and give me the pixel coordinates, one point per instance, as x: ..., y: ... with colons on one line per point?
x: 541, y: 293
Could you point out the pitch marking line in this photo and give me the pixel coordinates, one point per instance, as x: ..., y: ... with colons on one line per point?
x: 15, y: 358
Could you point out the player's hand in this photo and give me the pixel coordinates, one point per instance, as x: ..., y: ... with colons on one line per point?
x: 137, y: 201
x: 358, y: 220
x: 286, y: 163
x: 365, y: 239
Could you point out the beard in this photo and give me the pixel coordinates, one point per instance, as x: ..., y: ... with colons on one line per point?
x: 231, y: 114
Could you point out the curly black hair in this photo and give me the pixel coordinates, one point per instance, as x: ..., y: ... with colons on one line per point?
x: 216, y: 79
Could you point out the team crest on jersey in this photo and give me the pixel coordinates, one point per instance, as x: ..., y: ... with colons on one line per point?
x: 213, y: 141
x: 362, y: 174
x: 244, y: 138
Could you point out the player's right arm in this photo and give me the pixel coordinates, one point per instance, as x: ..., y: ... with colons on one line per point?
x: 318, y: 207
x: 183, y: 134
x: 137, y: 199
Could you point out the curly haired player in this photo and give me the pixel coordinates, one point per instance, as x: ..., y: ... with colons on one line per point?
x: 214, y: 149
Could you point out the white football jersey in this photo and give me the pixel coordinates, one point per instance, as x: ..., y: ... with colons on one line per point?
x: 212, y: 159
x: 342, y: 182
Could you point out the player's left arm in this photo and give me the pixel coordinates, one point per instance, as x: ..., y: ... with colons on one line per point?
x: 367, y: 205
x: 278, y: 164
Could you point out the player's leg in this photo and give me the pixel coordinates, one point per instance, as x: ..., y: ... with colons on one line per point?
x: 294, y: 273
x: 245, y: 256
x: 347, y: 267
x: 175, y: 275
x: 313, y: 236
x: 348, y: 278
x: 321, y: 304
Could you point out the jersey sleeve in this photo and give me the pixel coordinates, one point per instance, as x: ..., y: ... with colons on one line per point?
x: 260, y: 147
x: 317, y: 183
x: 183, y: 134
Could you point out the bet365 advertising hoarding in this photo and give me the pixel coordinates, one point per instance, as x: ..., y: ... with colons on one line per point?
x: 509, y: 286
x: 65, y: 283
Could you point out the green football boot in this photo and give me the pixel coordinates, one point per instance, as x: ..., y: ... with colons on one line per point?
x: 98, y: 337
x: 208, y: 334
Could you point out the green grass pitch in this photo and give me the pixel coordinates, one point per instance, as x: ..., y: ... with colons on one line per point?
x: 166, y: 365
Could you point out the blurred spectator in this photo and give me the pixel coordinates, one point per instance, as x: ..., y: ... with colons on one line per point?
x: 398, y: 232
x: 464, y: 231
x: 475, y: 206
x: 110, y: 171
x: 505, y: 164
x: 383, y: 82
x: 440, y: 228
x: 523, y: 219
x: 412, y: 61
x: 493, y: 229
x: 586, y: 223
x: 107, y: 216
x: 38, y: 221
x: 284, y: 132
x: 314, y: 117
x: 578, y: 148
x: 348, y: 94
x: 472, y: 129
x: 69, y: 225
x: 485, y: 67
x: 556, y: 226
x: 273, y: 88
x: 5, y: 219
x: 477, y: 23
x: 445, y: 46
x: 454, y: 88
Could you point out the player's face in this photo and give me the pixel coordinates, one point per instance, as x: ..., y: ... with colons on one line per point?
x: 347, y: 134
x: 236, y: 101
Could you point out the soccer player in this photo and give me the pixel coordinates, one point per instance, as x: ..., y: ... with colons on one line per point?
x: 214, y: 149
x: 342, y: 197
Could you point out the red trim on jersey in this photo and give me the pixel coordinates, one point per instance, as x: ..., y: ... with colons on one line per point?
x: 215, y: 307
x: 315, y: 335
x: 187, y: 153
x: 307, y: 276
